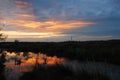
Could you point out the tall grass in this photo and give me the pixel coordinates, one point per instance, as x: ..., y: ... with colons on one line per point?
x: 60, y: 72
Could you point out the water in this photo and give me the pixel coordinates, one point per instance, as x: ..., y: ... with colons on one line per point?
x: 13, y: 72
x: 28, y: 61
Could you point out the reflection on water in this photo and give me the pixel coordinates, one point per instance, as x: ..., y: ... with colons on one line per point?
x: 27, y: 62
x: 31, y: 58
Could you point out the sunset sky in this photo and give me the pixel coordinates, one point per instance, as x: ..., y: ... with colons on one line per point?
x: 58, y: 20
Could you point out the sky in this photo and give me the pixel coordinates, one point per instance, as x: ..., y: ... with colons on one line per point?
x: 59, y: 20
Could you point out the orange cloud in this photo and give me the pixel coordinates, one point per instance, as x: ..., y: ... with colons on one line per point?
x: 67, y: 25
x: 21, y: 4
x: 25, y: 15
x: 23, y: 23
x: 47, y: 25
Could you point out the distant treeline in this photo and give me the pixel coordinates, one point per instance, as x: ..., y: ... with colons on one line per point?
x: 103, y: 51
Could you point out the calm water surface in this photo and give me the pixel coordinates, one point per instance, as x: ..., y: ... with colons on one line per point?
x: 27, y: 62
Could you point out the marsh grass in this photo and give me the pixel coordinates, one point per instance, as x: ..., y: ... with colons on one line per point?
x: 60, y: 72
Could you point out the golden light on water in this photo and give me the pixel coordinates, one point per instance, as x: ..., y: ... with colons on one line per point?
x: 30, y: 61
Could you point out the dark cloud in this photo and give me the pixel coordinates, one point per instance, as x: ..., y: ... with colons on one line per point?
x: 75, y: 9
x: 102, y: 29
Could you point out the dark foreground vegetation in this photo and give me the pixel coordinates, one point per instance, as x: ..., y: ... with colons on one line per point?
x: 100, y: 51
x: 2, y: 67
x: 59, y: 72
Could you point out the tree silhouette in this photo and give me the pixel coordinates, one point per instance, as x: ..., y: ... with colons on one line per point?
x: 2, y: 57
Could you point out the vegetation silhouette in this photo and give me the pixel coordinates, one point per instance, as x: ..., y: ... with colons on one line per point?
x: 2, y: 56
x: 60, y: 72
x: 97, y: 51
x: 2, y: 66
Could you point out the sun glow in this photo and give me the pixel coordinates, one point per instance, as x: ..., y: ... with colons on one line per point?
x: 19, y: 34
